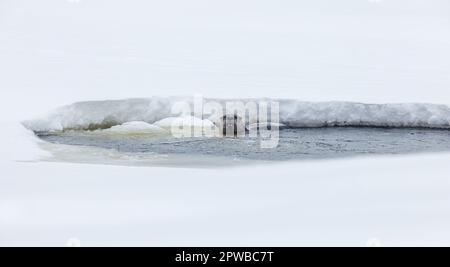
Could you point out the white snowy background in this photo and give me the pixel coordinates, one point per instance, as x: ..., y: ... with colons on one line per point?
x: 55, y: 52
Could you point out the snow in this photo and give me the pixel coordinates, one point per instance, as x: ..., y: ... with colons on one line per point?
x: 394, y: 200
x: 56, y: 53
x: 302, y: 114
x: 293, y: 113
x: 20, y: 144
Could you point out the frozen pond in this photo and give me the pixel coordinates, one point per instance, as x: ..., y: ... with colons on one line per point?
x: 294, y: 144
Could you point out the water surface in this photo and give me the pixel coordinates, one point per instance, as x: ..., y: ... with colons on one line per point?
x: 294, y: 144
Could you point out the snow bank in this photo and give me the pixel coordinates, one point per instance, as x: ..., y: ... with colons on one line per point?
x: 20, y: 144
x: 103, y: 114
x: 304, y: 114
x: 293, y: 113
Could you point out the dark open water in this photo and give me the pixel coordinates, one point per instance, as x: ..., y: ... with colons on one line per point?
x: 294, y: 144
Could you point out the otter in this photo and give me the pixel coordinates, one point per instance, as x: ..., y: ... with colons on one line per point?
x: 232, y: 126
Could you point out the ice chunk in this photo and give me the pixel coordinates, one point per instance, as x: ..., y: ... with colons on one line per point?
x: 135, y: 127
x: 188, y: 126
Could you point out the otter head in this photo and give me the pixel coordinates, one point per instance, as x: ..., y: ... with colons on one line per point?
x: 231, y: 125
